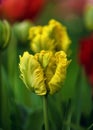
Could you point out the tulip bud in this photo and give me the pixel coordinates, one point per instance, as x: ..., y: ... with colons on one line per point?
x: 5, y: 34
x: 21, y: 31
x: 45, y: 72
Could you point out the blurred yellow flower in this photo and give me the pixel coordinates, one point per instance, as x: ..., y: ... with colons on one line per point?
x: 49, y: 37
x: 43, y: 72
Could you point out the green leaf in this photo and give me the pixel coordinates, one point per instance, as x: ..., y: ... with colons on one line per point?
x: 5, y: 122
x: 86, y: 95
x: 68, y: 89
x: 35, y: 120
x: 55, y: 113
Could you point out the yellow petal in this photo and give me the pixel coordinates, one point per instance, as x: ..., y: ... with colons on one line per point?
x: 44, y: 58
x: 60, y: 35
x: 32, y: 74
x: 60, y: 72
x: 33, y: 31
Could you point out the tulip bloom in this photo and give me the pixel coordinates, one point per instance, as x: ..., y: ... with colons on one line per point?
x: 18, y: 10
x: 86, y: 56
x: 49, y: 37
x: 44, y: 72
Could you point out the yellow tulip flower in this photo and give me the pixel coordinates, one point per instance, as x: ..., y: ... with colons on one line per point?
x: 52, y: 37
x: 44, y: 72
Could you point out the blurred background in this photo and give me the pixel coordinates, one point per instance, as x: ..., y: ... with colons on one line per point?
x: 72, y: 107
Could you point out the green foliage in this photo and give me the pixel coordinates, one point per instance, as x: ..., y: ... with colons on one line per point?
x: 5, y: 105
x: 35, y: 120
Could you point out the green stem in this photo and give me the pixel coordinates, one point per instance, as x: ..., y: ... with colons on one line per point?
x: 45, y: 109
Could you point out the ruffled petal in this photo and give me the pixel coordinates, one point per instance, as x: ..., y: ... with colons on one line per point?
x: 32, y: 74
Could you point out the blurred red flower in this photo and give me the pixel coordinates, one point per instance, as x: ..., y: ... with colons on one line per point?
x: 86, y: 56
x: 90, y: 2
x: 18, y: 10
x: 70, y: 8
